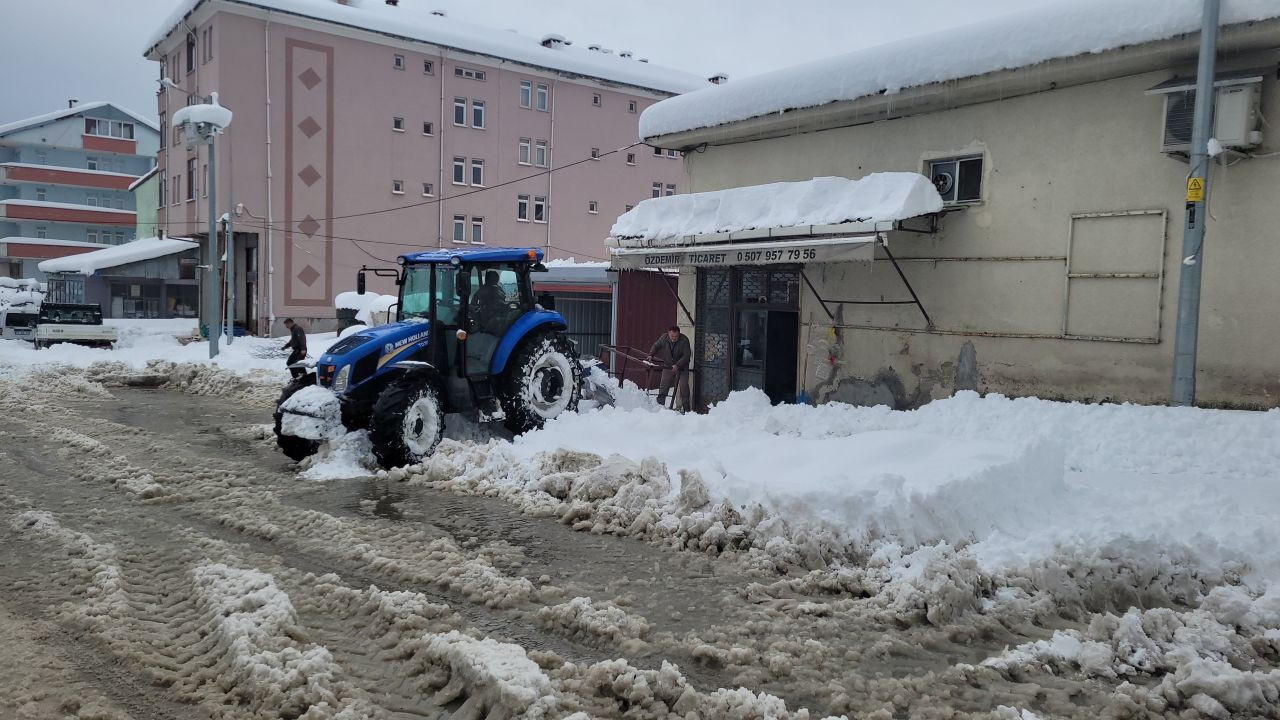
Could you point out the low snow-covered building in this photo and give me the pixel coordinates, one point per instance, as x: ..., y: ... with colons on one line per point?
x: 148, y: 278
x: 1056, y: 141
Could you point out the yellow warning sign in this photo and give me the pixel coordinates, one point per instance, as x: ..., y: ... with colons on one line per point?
x: 1195, y: 190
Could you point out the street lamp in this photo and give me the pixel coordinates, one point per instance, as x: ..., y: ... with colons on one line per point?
x: 201, y: 124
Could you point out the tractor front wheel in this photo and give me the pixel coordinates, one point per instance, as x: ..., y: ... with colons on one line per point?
x: 407, y: 422
x: 540, y: 383
x: 294, y: 447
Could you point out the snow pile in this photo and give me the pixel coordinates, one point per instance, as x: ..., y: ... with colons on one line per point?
x: 260, y: 663
x: 105, y: 597
x: 314, y: 413
x: 1216, y: 659
x: 581, y: 617
x: 348, y: 456
x: 211, y: 113
x: 497, y: 679
x: 878, y: 197
x: 23, y: 295
x: 1046, y: 32
x: 116, y: 255
x: 377, y: 310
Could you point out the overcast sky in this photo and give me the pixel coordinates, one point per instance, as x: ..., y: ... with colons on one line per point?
x: 52, y: 50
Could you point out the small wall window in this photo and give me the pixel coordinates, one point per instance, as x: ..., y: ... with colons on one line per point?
x: 631, y: 106
x: 91, y: 236
x: 657, y: 189
x: 397, y: 62
x: 397, y: 124
x: 477, y: 231
x: 460, y: 111
x: 428, y: 127
x: 631, y: 158
x: 477, y: 114
x: 543, y: 97
x: 428, y: 190
x: 522, y: 208
x: 43, y: 159
x: 526, y: 148
x: 671, y: 189
x: 593, y: 207
x: 91, y: 163
x: 397, y: 187
x: 42, y: 231
x: 459, y: 171
x: 208, y: 44
x: 191, y: 179
x: 526, y: 94
x: 672, y: 152
x: 428, y: 67
x: 459, y: 228
x: 657, y: 152
x: 539, y: 208
x: 191, y: 51
x: 595, y: 99
x: 958, y: 179
x: 540, y: 153
x: 595, y: 153
x: 468, y: 73
x: 477, y: 173
x: 40, y: 194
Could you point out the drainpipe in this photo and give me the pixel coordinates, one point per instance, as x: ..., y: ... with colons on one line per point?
x: 551, y: 162
x: 1188, y: 328
x: 440, y: 170
x: 271, y: 255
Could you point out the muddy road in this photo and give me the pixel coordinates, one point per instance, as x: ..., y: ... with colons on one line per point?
x: 162, y: 560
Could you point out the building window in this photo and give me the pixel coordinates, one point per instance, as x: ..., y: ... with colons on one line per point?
x: 540, y: 153
x: 428, y: 127
x: 460, y: 111
x: 428, y: 67
x: 595, y: 153
x: 176, y: 190
x: 163, y: 187
x: 543, y: 97
x: 428, y: 190
x: 397, y: 124
x: 522, y: 208
x: 42, y: 158
x: 671, y: 189
x: 595, y: 99
x: 593, y: 207
x: 163, y: 128
x: 91, y: 200
x: 191, y: 179
x: 468, y: 73
x: 477, y: 173
x: 397, y: 187
x: 91, y: 163
x: 631, y: 106
x: 42, y: 231
x: 459, y: 228
x: 459, y: 171
x: 397, y: 62
x: 477, y: 114
x: 477, y: 231
x: 526, y: 94
x: 657, y: 152
x: 657, y: 189
x: 191, y: 52
x: 120, y: 200
x: 208, y: 44
x: 526, y: 147
x: 539, y: 209
x: 108, y: 128
x: 91, y: 236
x: 958, y: 179
x: 631, y: 158
x: 177, y: 135
x: 40, y: 194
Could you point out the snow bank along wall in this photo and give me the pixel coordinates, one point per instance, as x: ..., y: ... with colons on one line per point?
x: 1082, y: 160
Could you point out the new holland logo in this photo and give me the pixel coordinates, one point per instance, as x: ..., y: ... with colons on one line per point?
x: 391, y: 350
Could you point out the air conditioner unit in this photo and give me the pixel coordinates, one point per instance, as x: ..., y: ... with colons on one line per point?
x: 1235, y: 122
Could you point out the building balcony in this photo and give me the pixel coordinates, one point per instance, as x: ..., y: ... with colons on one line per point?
x: 13, y: 172
x: 29, y: 248
x: 110, y: 144
x: 66, y: 213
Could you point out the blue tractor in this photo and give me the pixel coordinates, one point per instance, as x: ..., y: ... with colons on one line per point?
x: 469, y: 336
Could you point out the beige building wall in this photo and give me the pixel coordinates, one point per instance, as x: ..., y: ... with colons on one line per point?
x: 994, y: 279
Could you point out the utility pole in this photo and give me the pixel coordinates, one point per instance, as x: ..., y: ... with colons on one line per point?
x: 1188, y: 328
x: 229, y: 242
x: 213, y: 284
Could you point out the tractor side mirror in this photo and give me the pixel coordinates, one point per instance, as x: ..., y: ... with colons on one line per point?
x: 547, y: 301
x: 360, y: 283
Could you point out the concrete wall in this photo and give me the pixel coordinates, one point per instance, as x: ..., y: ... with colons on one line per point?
x: 994, y: 279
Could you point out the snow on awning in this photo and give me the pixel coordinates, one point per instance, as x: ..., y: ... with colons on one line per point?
x: 837, y: 205
x: 816, y: 250
x: 116, y: 255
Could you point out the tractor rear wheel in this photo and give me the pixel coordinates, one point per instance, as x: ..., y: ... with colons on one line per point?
x: 540, y: 383
x: 294, y: 447
x: 407, y: 422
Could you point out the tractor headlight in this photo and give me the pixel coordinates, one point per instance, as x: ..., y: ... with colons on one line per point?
x: 340, y: 382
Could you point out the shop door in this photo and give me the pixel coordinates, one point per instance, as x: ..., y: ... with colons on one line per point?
x: 748, y: 332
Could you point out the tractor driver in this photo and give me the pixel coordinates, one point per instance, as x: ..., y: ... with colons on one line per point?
x: 489, y: 304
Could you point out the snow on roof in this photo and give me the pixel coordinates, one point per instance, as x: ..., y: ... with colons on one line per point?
x: 116, y: 255
x: 879, y: 197
x: 64, y: 168
x: 7, y: 128
x: 143, y: 178
x: 574, y: 263
x: 211, y: 113
x: 1058, y: 30
x: 424, y: 26
x: 64, y: 206
x: 51, y: 242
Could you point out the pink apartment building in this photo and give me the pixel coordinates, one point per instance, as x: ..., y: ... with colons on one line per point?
x: 364, y: 129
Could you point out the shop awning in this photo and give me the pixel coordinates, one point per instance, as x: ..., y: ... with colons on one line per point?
x: 833, y: 249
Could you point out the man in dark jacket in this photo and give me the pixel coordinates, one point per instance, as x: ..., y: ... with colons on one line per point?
x: 298, y: 342
x: 672, y: 351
